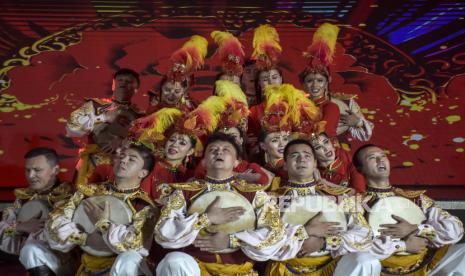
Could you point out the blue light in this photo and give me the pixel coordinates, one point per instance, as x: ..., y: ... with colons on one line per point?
x: 428, y: 22
x: 437, y: 42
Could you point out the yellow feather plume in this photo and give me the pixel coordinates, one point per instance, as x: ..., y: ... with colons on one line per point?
x: 323, y: 43
x: 225, y: 88
x: 162, y: 120
x: 200, y: 43
x: 219, y: 37
x: 265, y: 36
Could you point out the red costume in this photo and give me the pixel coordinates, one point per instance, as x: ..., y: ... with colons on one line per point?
x: 342, y: 172
x: 256, y: 114
x: 331, y: 115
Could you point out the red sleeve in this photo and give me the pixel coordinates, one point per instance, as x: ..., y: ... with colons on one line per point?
x: 101, y: 173
x: 357, y: 180
x: 254, y: 127
x: 200, y: 171
x: 147, y: 184
x: 257, y: 169
x: 331, y: 115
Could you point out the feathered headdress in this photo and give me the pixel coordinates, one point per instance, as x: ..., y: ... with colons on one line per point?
x: 304, y: 114
x: 295, y: 111
x: 236, y: 110
x: 188, y: 58
x: 276, y: 114
x: 266, y: 47
x: 154, y: 130
x: 230, y: 52
x: 320, y: 53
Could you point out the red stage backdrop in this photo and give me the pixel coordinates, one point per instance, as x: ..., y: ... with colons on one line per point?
x: 53, y: 55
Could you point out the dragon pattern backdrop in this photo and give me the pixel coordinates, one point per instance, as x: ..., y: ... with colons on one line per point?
x: 405, y: 61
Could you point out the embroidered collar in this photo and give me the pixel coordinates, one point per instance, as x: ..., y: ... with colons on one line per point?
x: 214, y: 181
x: 302, y: 189
x: 124, y: 191
x: 308, y: 184
x: 379, y: 190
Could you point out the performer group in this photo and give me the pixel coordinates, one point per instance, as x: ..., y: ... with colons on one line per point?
x: 257, y: 179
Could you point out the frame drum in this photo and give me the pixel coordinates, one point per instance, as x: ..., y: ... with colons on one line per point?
x: 302, y: 209
x: 34, y: 209
x: 384, y: 208
x: 119, y: 214
x: 343, y: 108
x: 227, y: 199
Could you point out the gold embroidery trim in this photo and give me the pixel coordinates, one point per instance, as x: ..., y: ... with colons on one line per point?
x: 202, y: 222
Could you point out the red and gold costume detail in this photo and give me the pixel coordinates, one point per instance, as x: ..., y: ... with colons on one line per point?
x: 266, y: 47
x: 64, y: 234
x: 266, y: 53
x: 342, y: 172
x: 176, y: 229
x: 232, y: 112
x: 90, y: 120
x: 230, y: 52
x: 320, y: 55
x: 331, y: 115
x: 184, y: 62
x: 185, y: 105
x: 440, y: 229
x: 287, y: 109
x: 11, y: 241
x: 357, y: 237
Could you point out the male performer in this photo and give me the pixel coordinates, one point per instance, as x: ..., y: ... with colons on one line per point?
x: 105, y: 122
x: 431, y: 244
x: 191, y: 233
x: 128, y: 242
x: 322, y: 248
x: 21, y: 228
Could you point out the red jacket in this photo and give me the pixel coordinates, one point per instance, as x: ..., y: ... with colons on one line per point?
x: 343, y: 172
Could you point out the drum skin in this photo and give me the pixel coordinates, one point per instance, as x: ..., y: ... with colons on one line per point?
x: 119, y: 214
x: 38, y: 209
x: 227, y: 199
x: 103, y: 134
x: 343, y: 108
x: 301, y: 209
x: 381, y: 213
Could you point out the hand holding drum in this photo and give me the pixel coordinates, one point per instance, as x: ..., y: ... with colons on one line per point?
x: 218, y: 215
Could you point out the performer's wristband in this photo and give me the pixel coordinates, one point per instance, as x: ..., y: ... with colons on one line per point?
x: 234, y: 242
x: 103, y: 225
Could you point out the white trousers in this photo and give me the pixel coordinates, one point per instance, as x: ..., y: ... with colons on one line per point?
x: 37, y: 253
x: 453, y: 263
x: 355, y: 264
x: 178, y: 264
x: 130, y: 263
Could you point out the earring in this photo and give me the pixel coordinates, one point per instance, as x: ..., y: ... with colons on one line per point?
x: 187, y: 160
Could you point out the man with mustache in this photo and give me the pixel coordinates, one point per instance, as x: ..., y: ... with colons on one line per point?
x: 127, y: 243
x: 105, y: 122
x: 427, y: 248
x: 21, y: 230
